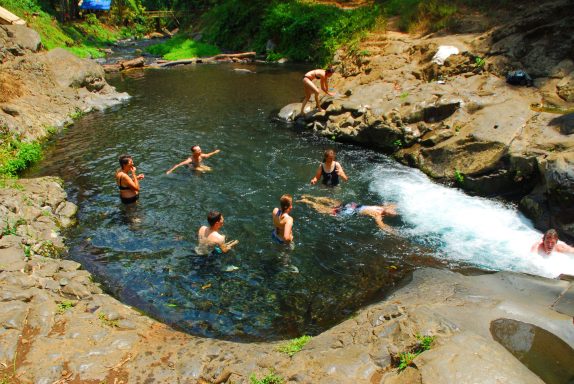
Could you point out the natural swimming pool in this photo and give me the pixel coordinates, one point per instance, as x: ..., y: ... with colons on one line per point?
x: 145, y: 254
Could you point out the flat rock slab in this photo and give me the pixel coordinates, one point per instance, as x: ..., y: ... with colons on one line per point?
x: 565, y: 303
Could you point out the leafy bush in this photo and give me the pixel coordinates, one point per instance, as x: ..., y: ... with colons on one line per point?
x: 15, y: 156
x: 270, y: 378
x: 302, y: 31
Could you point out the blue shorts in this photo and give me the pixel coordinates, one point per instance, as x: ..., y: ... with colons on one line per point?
x: 276, y: 238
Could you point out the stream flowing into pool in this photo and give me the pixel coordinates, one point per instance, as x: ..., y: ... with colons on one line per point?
x: 144, y: 254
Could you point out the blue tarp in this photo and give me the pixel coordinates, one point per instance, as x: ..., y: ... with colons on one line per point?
x: 102, y: 5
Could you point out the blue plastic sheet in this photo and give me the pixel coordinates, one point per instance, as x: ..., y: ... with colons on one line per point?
x: 102, y: 5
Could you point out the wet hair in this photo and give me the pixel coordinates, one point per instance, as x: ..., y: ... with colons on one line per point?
x: 328, y: 153
x: 124, y: 160
x: 330, y: 70
x: 213, y: 217
x: 286, y: 201
x: 551, y: 233
x: 193, y: 147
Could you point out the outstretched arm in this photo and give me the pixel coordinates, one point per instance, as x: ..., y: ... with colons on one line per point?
x: 382, y: 225
x: 189, y: 160
x: 564, y: 248
x: 325, y: 86
x: 226, y: 247
x: 317, y: 175
x: 207, y: 155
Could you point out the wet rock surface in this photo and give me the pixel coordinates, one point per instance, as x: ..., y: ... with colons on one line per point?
x: 56, y: 325
x: 462, y: 118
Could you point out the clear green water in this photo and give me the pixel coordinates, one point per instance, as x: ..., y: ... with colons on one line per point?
x: 145, y: 254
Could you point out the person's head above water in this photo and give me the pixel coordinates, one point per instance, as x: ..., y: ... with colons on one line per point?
x: 125, y: 160
x: 214, y: 218
x: 329, y: 155
x: 549, y: 240
x: 195, y: 149
x: 286, y: 202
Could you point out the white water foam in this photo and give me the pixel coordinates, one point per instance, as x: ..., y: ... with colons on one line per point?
x: 471, y: 230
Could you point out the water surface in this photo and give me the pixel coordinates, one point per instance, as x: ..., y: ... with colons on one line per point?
x: 144, y: 254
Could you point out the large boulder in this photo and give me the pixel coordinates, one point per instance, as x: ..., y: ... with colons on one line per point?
x: 559, y: 181
x: 18, y: 38
x: 69, y: 70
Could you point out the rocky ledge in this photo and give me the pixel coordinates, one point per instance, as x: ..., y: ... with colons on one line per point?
x: 56, y: 325
x: 461, y: 122
x: 41, y: 91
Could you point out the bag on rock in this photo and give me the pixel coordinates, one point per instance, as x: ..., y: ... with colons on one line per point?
x: 519, y: 78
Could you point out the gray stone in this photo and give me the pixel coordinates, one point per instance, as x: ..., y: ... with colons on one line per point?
x: 69, y: 265
x: 76, y: 289
x: 469, y: 358
x: 66, y: 209
x: 126, y: 324
x: 9, y: 293
x: 24, y: 37
x: 565, y: 304
x: 13, y: 315
x: 8, y: 345
x: 12, y: 259
x: 565, y: 88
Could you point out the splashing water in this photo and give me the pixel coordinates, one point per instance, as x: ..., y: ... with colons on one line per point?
x: 464, y: 229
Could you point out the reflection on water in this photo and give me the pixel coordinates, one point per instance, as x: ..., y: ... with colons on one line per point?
x: 144, y: 253
x: 542, y: 352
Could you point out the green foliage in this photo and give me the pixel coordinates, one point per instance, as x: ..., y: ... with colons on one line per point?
x: 458, y: 177
x: 479, y: 62
x: 274, y: 56
x: 11, y: 228
x: 406, y: 359
x: 85, y: 37
x: 104, y: 319
x: 421, y: 14
x: 294, y: 346
x: 15, y: 155
x: 425, y: 342
x: 302, y: 31
x: 270, y: 378
x: 404, y: 95
x: 65, y: 305
x: 398, y: 144
x: 182, y: 46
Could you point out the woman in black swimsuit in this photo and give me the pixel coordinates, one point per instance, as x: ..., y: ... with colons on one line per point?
x: 329, y: 170
x: 129, y: 186
x: 311, y: 89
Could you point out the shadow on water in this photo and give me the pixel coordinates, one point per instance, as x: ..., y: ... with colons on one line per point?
x: 542, y: 352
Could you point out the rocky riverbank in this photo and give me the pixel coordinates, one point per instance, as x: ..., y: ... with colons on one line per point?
x: 56, y: 325
x: 461, y: 122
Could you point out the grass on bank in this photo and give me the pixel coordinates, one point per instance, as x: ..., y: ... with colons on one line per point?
x: 182, y: 46
x: 16, y: 156
x: 84, y: 38
x: 270, y: 378
x: 293, y: 346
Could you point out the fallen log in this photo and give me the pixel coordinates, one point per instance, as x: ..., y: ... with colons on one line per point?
x: 138, y: 62
x: 231, y: 57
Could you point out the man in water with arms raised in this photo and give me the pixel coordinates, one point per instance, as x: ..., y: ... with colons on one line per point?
x: 195, y: 161
x: 550, y: 243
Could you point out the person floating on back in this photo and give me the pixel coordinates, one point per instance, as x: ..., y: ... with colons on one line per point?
x: 311, y: 89
x: 127, y: 180
x: 550, y: 243
x: 196, y: 160
x: 210, y: 241
x: 283, y: 223
x: 329, y: 170
x: 334, y: 207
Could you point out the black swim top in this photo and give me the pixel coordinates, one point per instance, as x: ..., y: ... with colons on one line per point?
x: 330, y: 178
x: 121, y: 188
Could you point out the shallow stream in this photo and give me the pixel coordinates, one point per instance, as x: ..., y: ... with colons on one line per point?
x: 144, y: 254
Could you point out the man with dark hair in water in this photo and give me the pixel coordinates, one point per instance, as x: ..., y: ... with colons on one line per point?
x: 550, y: 243
x: 210, y: 241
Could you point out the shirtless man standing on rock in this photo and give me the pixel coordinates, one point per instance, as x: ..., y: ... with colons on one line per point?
x: 195, y: 161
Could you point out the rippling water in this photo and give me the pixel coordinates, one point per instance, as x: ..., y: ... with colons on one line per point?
x: 144, y: 254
